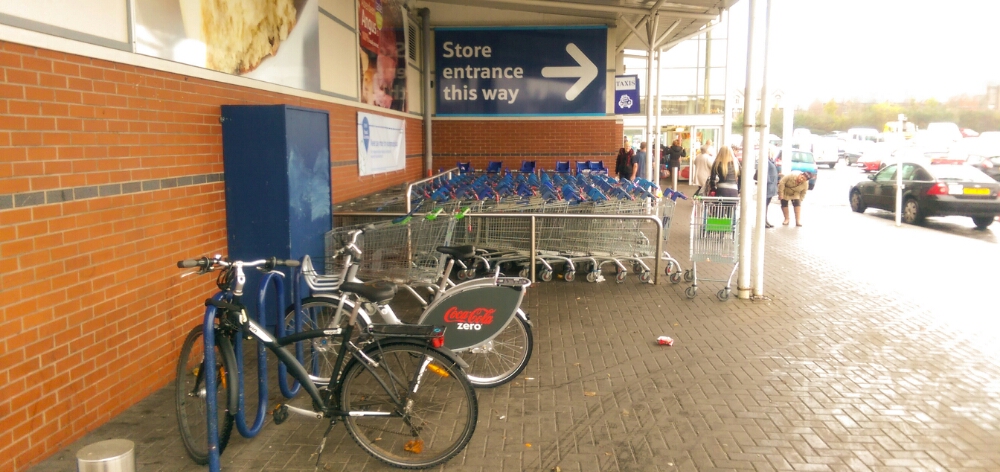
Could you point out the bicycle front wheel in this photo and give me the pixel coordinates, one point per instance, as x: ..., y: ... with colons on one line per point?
x: 191, y: 397
x: 502, y: 358
x: 430, y: 406
x: 318, y: 355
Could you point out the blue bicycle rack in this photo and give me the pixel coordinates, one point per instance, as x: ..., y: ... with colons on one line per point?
x: 211, y: 387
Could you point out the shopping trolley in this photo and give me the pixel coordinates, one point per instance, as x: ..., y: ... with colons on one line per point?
x: 402, y: 251
x: 714, y: 238
x: 666, y: 211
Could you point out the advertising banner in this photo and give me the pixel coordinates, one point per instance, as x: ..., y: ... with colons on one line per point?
x: 521, y: 71
x: 383, y: 53
x: 626, y: 94
x: 275, y: 41
x: 381, y: 144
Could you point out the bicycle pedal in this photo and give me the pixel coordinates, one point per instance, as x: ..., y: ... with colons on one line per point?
x: 280, y: 413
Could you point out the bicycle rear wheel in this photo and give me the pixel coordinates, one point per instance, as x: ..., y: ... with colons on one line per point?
x: 190, y: 393
x: 434, y: 418
x: 502, y: 358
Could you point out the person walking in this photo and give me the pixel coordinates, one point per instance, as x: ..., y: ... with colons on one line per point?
x: 724, y: 178
x: 793, y: 187
x: 701, y: 170
x: 674, y: 155
x: 640, y: 162
x: 625, y: 166
x: 772, y: 185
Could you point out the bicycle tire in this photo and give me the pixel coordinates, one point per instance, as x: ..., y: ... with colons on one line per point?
x: 502, y: 358
x: 191, y: 414
x: 444, y: 407
x: 319, y: 354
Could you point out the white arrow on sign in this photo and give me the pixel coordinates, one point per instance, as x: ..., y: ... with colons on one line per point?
x: 586, y: 71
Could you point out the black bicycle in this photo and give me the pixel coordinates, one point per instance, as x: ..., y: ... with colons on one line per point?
x: 403, y: 397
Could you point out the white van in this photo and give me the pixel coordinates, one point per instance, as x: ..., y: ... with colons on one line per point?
x: 857, y: 140
x: 944, y: 131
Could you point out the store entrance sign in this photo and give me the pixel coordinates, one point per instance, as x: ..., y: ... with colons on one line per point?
x: 521, y: 71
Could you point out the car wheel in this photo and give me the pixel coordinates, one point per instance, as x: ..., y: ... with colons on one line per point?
x: 911, y: 212
x: 857, y: 204
x: 834, y: 164
x: 982, y: 222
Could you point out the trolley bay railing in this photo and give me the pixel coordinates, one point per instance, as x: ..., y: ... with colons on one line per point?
x: 533, y: 217
x: 409, y: 188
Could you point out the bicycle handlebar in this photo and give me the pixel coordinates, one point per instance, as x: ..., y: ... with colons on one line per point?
x: 206, y: 263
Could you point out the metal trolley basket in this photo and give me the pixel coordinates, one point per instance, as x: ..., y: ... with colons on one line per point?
x: 399, y: 251
x: 714, y: 238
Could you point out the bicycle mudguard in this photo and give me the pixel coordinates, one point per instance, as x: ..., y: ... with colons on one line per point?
x: 476, y: 311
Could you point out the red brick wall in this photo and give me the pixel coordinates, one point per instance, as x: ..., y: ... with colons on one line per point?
x: 92, y: 311
x: 514, y: 141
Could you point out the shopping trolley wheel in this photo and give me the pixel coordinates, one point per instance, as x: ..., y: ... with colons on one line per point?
x: 592, y: 277
x: 688, y: 275
x: 569, y: 275
x: 645, y: 276
x: 691, y: 292
x: 546, y: 275
x: 669, y: 268
x: 620, y: 276
x: 723, y: 294
x: 675, y: 278
x: 525, y: 273
x: 636, y: 267
x: 461, y: 275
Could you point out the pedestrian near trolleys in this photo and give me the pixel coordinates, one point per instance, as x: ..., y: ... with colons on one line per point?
x: 724, y: 180
x: 640, y: 161
x: 772, y: 185
x: 793, y: 187
x: 674, y: 155
x: 625, y: 165
x: 701, y: 169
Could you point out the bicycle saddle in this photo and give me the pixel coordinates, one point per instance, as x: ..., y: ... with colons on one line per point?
x: 376, y: 291
x: 458, y: 252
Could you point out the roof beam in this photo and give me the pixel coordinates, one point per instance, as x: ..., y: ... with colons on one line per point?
x: 668, y: 11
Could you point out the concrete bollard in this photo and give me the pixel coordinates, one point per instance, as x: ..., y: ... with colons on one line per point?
x: 113, y: 455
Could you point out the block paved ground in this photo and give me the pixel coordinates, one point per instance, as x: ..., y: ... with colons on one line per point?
x: 877, y: 349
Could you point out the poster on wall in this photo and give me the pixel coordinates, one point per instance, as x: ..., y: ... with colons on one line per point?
x: 275, y: 41
x: 381, y: 144
x: 383, y: 53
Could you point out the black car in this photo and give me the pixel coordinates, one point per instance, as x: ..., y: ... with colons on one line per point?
x: 931, y: 190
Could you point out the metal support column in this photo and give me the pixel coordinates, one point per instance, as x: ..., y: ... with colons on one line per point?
x: 749, y: 115
x: 650, y: 39
x: 765, y: 147
x: 654, y: 148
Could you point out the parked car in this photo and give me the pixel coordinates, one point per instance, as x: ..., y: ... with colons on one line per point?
x: 876, y: 156
x: 989, y: 165
x: 802, y: 161
x: 931, y: 190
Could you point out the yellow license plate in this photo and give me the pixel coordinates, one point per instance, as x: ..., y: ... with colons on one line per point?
x: 976, y: 191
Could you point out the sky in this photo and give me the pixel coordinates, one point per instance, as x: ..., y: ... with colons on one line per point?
x: 873, y: 49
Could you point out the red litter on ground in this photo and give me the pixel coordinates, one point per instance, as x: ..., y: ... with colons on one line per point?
x: 665, y: 341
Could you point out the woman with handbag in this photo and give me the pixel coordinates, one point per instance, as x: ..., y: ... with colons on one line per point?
x: 724, y: 180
